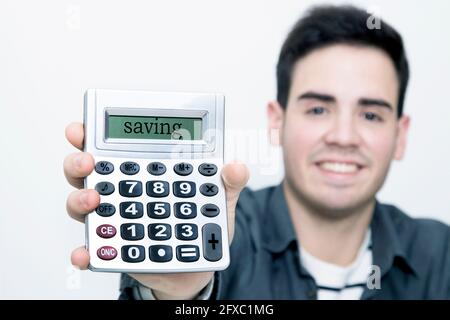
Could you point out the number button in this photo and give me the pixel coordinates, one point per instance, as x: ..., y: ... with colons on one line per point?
x: 133, y: 253
x: 132, y: 231
x: 158, y: 210
x: 212, y: 242
x: 129, y: 168
x: 209, y: 189
x: 187, y: 253
x: 183, y: 169
x: 157, y: 189
x: 131, y: 210
x: 130, y: 188
x: 105, y: 209
x: 104, y: 167
x: 184, y: 189
x: 104, y: 188
x: 187, y: 231
x: 156, y: 168
x: 160, y: 253
x: 106, y: 231
x: 207, y: 169
x: 210, y: 210
x: 159, y: 231
x: 185, y: 210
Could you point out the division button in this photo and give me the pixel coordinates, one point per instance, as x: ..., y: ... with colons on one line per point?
x: 187, y: 253
x: 156, y: 168
x: 104, y: 188
x: 209, y: 189
x: 210, y: 210
x: 105, y: 209
x: 207, y: 169
x: 133, y: 253
x: 129, y: 168
x: 104, y: 167
x: 212, y: 242
x: 107, y: 253
x: 183, y: 168
x: 106, y: 231
x: 160, y: 253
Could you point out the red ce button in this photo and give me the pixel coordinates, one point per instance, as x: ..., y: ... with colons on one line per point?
x: 106, y: 231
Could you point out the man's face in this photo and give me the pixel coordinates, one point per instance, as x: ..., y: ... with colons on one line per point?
x: 340, y: 129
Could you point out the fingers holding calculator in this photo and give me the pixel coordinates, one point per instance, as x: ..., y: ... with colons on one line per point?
x: 159, y: 204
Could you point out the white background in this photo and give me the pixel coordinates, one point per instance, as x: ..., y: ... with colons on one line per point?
x: 51, y: 51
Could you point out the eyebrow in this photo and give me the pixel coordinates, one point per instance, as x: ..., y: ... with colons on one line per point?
x: 317, y: 96
x: 366, y: 102
x: 363, y: 102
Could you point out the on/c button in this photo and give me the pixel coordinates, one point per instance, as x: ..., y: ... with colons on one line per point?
x: 106, y: 231
x: 107, y: 253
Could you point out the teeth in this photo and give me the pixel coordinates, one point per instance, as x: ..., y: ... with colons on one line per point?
x: 339, y: 167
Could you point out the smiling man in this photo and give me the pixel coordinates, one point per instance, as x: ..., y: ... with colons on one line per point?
x: 321, y: 233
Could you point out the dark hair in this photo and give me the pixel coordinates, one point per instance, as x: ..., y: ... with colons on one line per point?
x: 328, y: 25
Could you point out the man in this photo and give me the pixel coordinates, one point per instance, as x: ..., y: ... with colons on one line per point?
x: 320, y: 234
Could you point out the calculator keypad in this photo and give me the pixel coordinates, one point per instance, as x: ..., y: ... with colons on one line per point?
x: 173, y: 221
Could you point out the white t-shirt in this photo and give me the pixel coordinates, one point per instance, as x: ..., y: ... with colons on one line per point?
x: 340, y: 283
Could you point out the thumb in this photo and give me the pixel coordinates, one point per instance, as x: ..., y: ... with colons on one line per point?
x: 235, y: 176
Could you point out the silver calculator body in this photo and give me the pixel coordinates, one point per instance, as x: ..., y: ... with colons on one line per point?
x: 158, y: 158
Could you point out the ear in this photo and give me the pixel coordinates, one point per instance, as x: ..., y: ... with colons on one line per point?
x: 275, y: 116
x: 402, y: 134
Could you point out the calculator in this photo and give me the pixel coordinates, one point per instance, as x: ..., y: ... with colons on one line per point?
x: 158, y: 158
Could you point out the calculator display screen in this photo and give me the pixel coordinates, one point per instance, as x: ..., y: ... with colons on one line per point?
x: 162, y: 128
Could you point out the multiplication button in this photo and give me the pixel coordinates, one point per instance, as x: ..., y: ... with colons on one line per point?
x: 209, y: 189
x: 160, y: 253
x: 207, y: 169
x: 104, y: 167
x: 104, y: 188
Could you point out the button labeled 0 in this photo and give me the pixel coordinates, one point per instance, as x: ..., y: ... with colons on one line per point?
x: 106, y: 231
x: 107, y: 253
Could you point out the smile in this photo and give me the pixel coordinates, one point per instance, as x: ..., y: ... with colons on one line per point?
x: 339, y: 167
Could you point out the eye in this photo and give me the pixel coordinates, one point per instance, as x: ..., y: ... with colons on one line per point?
x: 316, y: 110
x: 372, y: 117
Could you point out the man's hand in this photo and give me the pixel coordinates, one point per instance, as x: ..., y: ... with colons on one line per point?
x: 83, y: 201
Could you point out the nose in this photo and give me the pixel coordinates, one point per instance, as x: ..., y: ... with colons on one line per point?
x: 343, y: 132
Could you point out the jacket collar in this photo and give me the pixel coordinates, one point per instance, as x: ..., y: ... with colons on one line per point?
x: 279, y: 232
